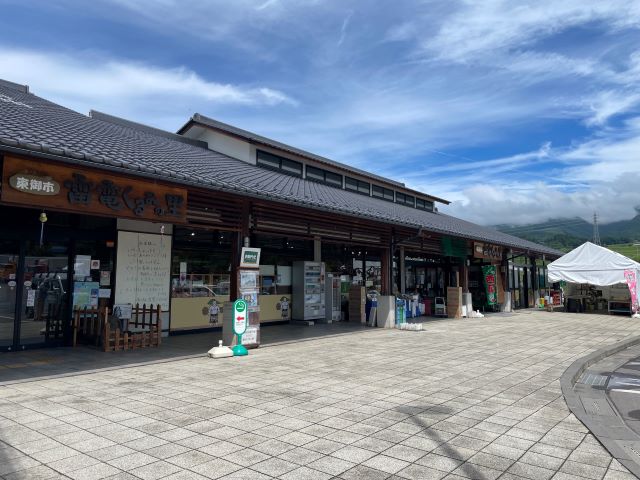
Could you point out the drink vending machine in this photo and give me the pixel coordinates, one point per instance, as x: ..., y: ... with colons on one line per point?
x: 333, y: 301
x: 308, y: 292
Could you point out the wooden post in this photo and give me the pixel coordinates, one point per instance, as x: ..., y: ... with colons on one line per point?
x: 76, y: 319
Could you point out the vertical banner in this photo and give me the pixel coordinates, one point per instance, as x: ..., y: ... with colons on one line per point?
x: 489, y: 275
x: 632, y: 283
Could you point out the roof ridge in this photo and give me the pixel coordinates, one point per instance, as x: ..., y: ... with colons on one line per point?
x: 123, y: 122
x: 14, y: 85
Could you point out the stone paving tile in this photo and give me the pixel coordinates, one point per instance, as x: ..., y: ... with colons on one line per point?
x: 156, y: 470
x: 94, y: 472
x: 305, y: 473
x: 583, y: 470
x: 361, y: 472
x: 386, y: 464
x: 452, y: 407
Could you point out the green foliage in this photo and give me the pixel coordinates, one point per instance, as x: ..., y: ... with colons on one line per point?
x: 567, y: 234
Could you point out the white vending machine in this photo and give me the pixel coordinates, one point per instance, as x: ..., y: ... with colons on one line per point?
x: 308, y: 303
x: 333, y: 301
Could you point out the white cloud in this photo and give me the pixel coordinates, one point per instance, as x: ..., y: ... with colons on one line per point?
x: 92, y: 81
x: 492, y: 26
x: 526, y: 203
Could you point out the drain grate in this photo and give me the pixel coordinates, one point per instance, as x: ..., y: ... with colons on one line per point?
x: 632, y: 449
x: 593, y: 379
x: 597, y: 406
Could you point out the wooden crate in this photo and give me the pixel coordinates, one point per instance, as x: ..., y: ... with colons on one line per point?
x: 357, y: 303
x: 454, y: 302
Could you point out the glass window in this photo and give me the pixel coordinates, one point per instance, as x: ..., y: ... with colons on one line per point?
x: 381, y: 192
x: 357, y: 185
x: 333, y: 179
x: 424, y: 204
x: 351, y: 183
x: 405, y: 199
x: 200, y: 277
x: 268, y: 160
x: 314, y: 173
x: 291, y: 166
x: 324, y: 176
x: 275, y: 162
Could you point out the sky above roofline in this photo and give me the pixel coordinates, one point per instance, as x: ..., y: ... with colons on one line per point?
x: 516, y: 112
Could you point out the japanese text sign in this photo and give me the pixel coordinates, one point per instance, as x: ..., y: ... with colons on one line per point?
x: 240, y: 317
x: 487, y: 251
x: 489, y: 274
x: 58, y: 186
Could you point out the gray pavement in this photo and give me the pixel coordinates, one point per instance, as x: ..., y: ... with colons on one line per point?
x: 476, y: 398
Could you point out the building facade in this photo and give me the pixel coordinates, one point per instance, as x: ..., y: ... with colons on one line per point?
x: 98, y: 210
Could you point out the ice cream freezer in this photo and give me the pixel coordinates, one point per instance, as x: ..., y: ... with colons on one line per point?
x: 308, y: 292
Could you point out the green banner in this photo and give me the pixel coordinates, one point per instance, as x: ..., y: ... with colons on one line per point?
x: 489, y: 276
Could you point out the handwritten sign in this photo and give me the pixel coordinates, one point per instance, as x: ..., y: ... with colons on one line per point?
x: 143, y: 269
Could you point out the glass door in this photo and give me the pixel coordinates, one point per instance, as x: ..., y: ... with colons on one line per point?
x: 9, y: 256
x: 44, y: 317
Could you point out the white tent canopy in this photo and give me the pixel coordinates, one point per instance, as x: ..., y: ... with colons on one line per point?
x: 593, y: 264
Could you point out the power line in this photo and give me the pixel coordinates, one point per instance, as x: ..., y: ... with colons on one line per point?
x: 596, y: 233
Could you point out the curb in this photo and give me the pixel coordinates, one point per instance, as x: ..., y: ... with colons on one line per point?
x: 610, y: 441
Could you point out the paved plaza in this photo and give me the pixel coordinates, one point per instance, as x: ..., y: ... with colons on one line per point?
x: 472, y: 398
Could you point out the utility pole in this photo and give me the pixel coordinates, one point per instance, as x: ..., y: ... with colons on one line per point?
x: 596, y: 233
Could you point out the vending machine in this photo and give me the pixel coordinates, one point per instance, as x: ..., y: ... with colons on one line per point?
x: 333, y: 300
x: 308, y: 303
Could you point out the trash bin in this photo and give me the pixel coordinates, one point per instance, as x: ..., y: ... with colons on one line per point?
x: 400, y: 318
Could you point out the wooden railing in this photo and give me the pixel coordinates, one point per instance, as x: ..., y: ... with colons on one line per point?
x: 143, y: 330
x: 96, y: 327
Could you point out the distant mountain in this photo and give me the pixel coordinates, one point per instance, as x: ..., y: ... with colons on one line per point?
x: 567, y: 233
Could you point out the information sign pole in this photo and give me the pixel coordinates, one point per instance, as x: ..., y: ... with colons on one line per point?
x: 240, y: 321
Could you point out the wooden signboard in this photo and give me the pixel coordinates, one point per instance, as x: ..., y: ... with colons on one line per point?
x: 487, y: 251
x: 36, y: 183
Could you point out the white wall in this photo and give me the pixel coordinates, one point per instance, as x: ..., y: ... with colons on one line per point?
x: 229, y: 146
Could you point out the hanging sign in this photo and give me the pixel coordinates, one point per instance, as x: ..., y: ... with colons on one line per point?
x: 632, y: 283
x: 487, y: 251
x: 250, y: 257
x: 240, y: 317
x: 489, y: 275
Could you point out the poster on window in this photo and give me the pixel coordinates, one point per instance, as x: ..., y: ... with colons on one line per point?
x: 632, y: 283
x: 489, y: 276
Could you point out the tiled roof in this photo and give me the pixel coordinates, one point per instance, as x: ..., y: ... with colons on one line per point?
x: 33, y: 124
x: 199, y: 119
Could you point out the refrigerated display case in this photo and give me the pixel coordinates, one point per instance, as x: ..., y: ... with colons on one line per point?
x: 333, y: 298
x: 308, y: 292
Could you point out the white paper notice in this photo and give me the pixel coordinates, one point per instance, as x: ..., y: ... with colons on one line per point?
x: 250, y: 336
x: 143, y: 269
x: 31, y: 298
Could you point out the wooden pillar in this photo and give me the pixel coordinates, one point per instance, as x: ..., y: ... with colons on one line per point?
x: 317, y: 249
x: 403, y: 280
x: 238, y: 241
x: 464, y: 276
x: 385, y: 262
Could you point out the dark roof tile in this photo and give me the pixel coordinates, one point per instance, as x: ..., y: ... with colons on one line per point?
x: 44, y: 126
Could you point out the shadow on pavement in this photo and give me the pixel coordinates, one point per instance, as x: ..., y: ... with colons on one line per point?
x: 47, y: 362
x: 447, y: 449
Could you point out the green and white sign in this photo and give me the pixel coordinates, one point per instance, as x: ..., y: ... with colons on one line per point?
x: 240, y: 317
x: 250, y: 257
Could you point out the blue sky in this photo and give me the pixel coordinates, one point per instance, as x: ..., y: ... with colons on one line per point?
x: 517, y: 113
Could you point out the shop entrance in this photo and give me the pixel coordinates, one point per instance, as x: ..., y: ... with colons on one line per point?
x: 41, y: 267
x: 33, y: 294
